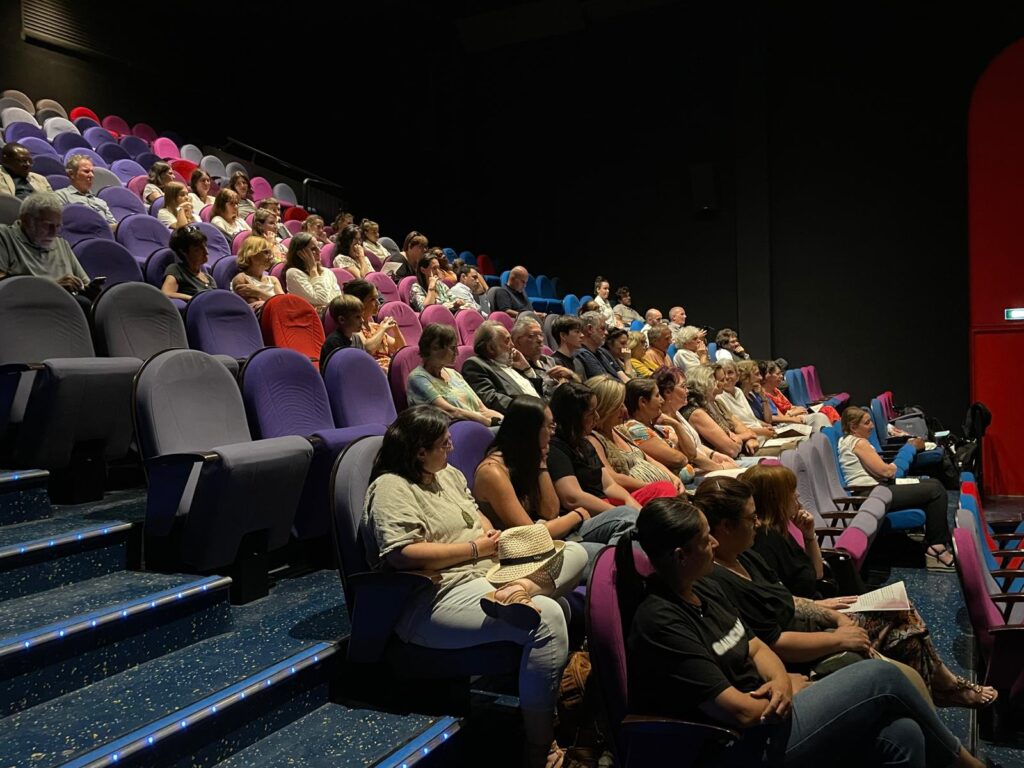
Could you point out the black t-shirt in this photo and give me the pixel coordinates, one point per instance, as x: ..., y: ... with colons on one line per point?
x: 680, y: 656
x: 337, y: 340
x: 572, y: 363
x: 784, y: 556
x: 506, y: 298
x: 584, y: 464
x: 764, y: 603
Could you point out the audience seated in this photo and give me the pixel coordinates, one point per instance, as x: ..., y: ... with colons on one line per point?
x: 703, y: 413
x: 16, y: 177
x: 199, y: 190
x: 673, y: 426
x: 370, y: 232
x: 624, y: 309
x: 305, y: 276
x: 186, y: 277
x: 863, y: 467
x: 347, y: 313
x: 273, y: 205
x: 381, y: 339
x: 160, y: 173
x: 601, y: 290
x: 264, y: 224
x: 314, y: 225
x: 435, y: 382
x: 80, y: 172
x: 802, y: 631
x: 178, y: 210
x: 659, y: 338
x: 511, y: 298
x: 732, y: 401
x: 616, y: 344
x: 429, y: 288
x: 779, y: 408
x: 644, y: 425
x: 239, y: 184
x: 644, y: 477
x: 652, y: 317
x: 342, y: 220
x: 676, y: 321
x: 691, y: 657
x: 32, y: 245
x: 729, y: 347
x: 445, y: 270
x: 404, y: 263
x: 498, y: 372
x: 420, y: 515
x: 568, y: 332
x: 528, y: 338
x: 468, y: 285
x: 637, y: 343
x: 251, y: 282
x: 225, y: 215
x: 691, y: 350
x: 596, y: 359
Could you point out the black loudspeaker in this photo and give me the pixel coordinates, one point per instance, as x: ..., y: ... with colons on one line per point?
x: 702, y: 184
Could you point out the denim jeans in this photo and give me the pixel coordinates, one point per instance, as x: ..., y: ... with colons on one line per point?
x: 603, y: 529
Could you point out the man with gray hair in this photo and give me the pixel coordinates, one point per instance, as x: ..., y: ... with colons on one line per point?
x: 80, y: 171
x: 691, y: 348
x: 498, y: 372
x: 528, y: 338
x: 597, y: 360
x: 31, y: 245
x: 659, y: 338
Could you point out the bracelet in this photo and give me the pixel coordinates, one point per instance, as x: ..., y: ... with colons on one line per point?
x: 476, y: 551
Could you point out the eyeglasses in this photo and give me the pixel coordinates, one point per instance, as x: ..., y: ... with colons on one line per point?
x: 190, y: 228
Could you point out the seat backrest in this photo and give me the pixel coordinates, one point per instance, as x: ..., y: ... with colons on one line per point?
x: 19, y: 131
x: 21, y: 97
x: 795, y: 382
x: 116, y: 124
x: 407, y: 319
x: 386, y: 288
x: 156, y: 206
x: 484, y: 264
x: 389, y: 245
x: 16, y: 115
x: 126, y: 170
x: 466, y: 323
x: 813, y: 385
x: 213, y: 165
x: 145, y: 131
x: 221, y: 323
x: 464, y: 353
x: 216, y: 243
x: 103, y: 179
x: 97, y: 136
x: 571, y: 304
x: 294, y: 226
x: 38, y: 147
x: 137, y: 320
x: 469, y: 440
x: 342, y: 275
x: 122, y: 201
x: 349, y: 481
x: 606, y: 638
x: 192, y: 153
x: 142, y: 234
x: 357, y: 389
x: 112, y: 260
x: 156, y: 265
x: 290, y: 321
x: 878, y: 416
x: 56, y: 106
x: 261, y: 189
x: 185, y: 401
x: 237, y: 240
x: 983, y: 612
x: 57, y: 180
x: 285, y: 194
x: 90, y: 153
x: 166, y: 149
x: 438, y: 313
x: 284, y: 394
x: 504, y: 277
x: 224, y: 271
x: 134, y: 145
x: 39, y: 320
x: 504, y: 319
x: 80, y: 222
x: 10, y: 208
x: 234, y: 166
x: 405, y: 288
x: 401, y: 366
x: 77, y: 112
x: 545, y: 288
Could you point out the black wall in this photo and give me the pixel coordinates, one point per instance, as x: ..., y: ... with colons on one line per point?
x: 835, y: 145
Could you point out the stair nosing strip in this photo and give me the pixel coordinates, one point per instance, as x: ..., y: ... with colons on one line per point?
x: 181, y: 719
x: 71, y: 537
x: 107, y: 614
x: 413, y: 751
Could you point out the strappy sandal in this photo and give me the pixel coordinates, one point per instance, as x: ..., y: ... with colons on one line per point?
x: 516, y: 608
x: 939, y: 559
x: 965, y: 694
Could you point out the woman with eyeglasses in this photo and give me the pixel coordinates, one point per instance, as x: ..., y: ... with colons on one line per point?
x: 382, y: 340
x: 160, y: 174
x: 436, y: 383
x: 177, y: 211
x: 306, y: 277
x: 251, y: 283
x: 673, y: 390
x: 186, y: 277
x: 349, y: 253
x: 419, y: 515
x: 225, y: 216
x: 239, y: 183
x: 801, y: 631
x: 200, y: 184
x: 691, y: 657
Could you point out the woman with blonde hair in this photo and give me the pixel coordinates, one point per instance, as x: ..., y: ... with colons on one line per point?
x: 264, y: 224
x: 314, y: 225
x: 704, y: 416
x: 225, y: 215
x: 177, y: 211
x: 637, y: 349
x: 733, y: 403
x: 251, y: 283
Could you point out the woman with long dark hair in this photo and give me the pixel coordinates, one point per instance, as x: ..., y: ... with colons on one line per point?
x: 419, y: 515
x: 305, y: 276
x: 691, y: 657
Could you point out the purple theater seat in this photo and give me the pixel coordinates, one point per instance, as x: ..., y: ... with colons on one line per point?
x: 501, y: 317
x: 84, y: 123
x: 65, y: 143
x: 221, y: 323
x: 260, y: 188
x: 122, y: 202
x: 401, y: 366
x: 145, y: 132
x: 284, y: 395
x: 374, y: 260
x: 134, y: 146
x: 112, y: 153
x: 166, y: 149
x: 112, y: 260
x: 466, y: 323
x: 327, y: 255
x: 157, y: 263
x: 357, y: 389
x: 224, y: 271
x: 146, y: 159
x: 57, y: 180
x: 40, y: 147
x: 142, y: 235
x: 98, y: 137
x: 405, y: 288
x: 81, y: 222
x: 407, y: 319
x: 137, y: 184
x: 216, y: 243
x: 237, y: 240
x: 387, y: 291
x: 342, y: 276
x: 465, y: 352
x: 48, y: 165
x: 97, y: 161
x: 19, y: 131
x: 438, y: 313
x: 293, y: 226
x: 156, y: 206
x: 469, y: 440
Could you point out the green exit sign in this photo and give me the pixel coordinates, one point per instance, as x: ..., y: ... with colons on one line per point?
x: 1014, y: 314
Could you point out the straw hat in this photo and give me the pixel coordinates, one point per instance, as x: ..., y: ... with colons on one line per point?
x: 524, y: 550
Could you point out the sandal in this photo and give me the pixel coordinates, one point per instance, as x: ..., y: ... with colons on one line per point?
x: 516, y: 608
x: 965, y: 694
x: 939, y: 559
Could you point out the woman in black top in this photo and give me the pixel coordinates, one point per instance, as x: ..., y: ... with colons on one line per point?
x: 186, y: 277
x: 803, y: 631
x: 690, y: 656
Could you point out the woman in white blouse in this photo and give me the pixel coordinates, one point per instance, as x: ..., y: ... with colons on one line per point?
x: 225, y: 215
x: 251, y: 283
x: 177, y: 211
x: 160, y: 173
x: 200, y: 183
x: 349, y: 253
x: 305, y: 276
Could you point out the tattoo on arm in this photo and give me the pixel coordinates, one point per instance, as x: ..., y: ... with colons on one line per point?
x: 808, y: 609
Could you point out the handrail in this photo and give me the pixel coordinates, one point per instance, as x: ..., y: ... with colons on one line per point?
x: 282, y: 163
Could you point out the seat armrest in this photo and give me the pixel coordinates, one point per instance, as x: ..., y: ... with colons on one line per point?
x: 842, y: 515
x: 651, y: 740
x: 378, y: 600
x: 167, y: 478
x: 177, y: 459
x: 1007, y: 572
x: 8, y: 368
x: 1008, y: 553
x: 1006, y: 536
x: 854, y: 501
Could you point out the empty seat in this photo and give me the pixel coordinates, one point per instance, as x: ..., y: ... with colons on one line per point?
x: 66, y: 144
x: 407, y: 319
x: 19, y: 131
x: 387, y: 291
x: 84, y: 123
x: 21, y: 97
x: 116, y: 125
x: 57, y: 125
x: 290, y: 321
x: 221, y: 323
x: 51, y: 104
x: 285, y: 395
x: 466, y: 323
x: 77, y: 112
x: 285, y: 194
x: 438, y: 313
x: 155, y: 266
x: 261, y: 188
x: 109, y: 259
x: 71, y: 408
x: 501, y: 317
x: 216, y: 243
x: 134, y: 146
x: 145, y: 131
x: 213, y: 165
x: 166, y: 149
x: 39, y: 147
x: 16, y: 115
x: 112, y: 153
x: 142, y: 235
x: 122, y: 202
x: 126, y: 170
x: 192, y: 153
x: 102, y: 179
x: 80, y: 222
x: 217, y: 498
x: 224, y: 271
x: 401, y: 366
x: 97, y: 136
x: 235, y: 167
x: 571, y: 304
x: 137, y: 320
x: 10, y: 207
x: 357, y: 389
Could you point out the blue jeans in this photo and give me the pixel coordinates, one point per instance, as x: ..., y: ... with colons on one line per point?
x: 603, y: 529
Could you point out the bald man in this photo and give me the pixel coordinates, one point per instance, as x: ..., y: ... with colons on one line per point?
x: 512, y: 299
x: 16, y: 177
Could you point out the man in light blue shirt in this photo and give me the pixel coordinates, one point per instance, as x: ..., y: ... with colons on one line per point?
x: 80, y: 170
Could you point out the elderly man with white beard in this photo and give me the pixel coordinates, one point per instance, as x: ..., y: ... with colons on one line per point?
x: 498, y: 372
